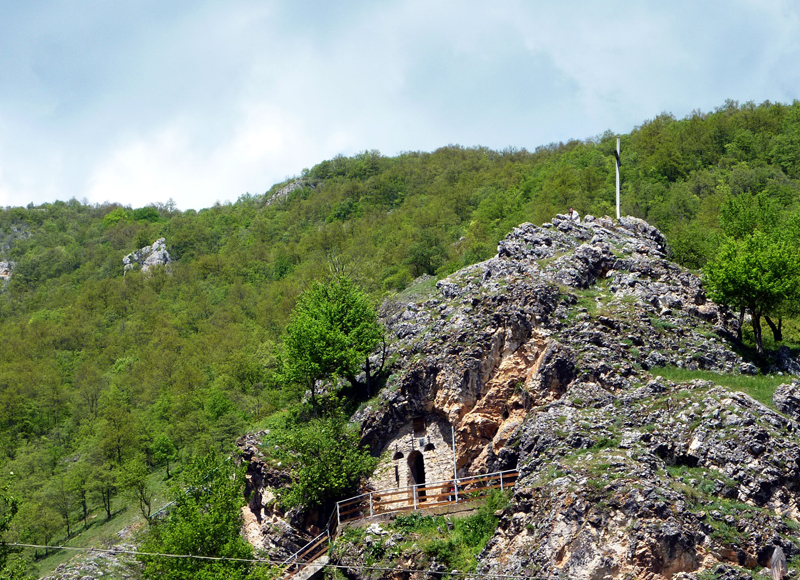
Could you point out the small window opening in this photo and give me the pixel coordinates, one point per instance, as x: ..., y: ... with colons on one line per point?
x: 397, y: 454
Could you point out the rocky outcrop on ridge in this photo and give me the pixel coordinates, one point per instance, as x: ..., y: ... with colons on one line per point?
x: 546, y: 358
x: 148, y: 257
x: 5, y: 271
x: 593, y: 302
x: 283, y: 193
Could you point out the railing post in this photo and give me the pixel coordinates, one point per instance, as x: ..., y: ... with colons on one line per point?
x: 455, y: 486
x: 338, y: 516
x: 501, y: 481
x: 414, y: 491
x: 370, y: 505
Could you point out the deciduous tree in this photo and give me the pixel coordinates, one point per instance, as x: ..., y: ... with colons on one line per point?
x: 204, y: 520
x: 325, y: 458
x: 332, y: 331
x: 759, y: 272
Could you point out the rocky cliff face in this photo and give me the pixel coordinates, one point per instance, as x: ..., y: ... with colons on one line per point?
x: 546, y: 357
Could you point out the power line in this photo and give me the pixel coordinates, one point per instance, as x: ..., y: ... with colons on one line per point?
x: 266, y: 561
x: 137, y: 553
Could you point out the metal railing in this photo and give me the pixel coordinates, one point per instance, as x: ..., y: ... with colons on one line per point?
x: 423, y: 496
x: 311, y: 551
x: 307, y: 554
x: 411, y: 498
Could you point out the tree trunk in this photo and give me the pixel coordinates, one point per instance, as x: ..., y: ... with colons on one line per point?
x: 757, y: 332
x: 741, y: 322
x: 107, y: 496
x: 777, y: 332
x: 85, y: 510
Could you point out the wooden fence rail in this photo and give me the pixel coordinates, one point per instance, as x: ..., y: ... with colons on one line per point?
x: 308, y: 553
x: 414, y: 497
x: 423, y: 496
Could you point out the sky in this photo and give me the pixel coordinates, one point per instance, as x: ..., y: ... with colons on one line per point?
x: 202, y: 101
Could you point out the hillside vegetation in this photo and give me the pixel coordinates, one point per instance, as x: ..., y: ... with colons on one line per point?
x: 106, y: 376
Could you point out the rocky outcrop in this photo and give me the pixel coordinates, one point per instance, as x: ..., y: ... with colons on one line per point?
x: 283, y: 193
x: 546, y: 358
x: 266, y: 526
x: 564, y: 301
x: 148, y: 257
x: 11, y: 234
x: 116, y: 562
x: 664, y: 479
x: 787, y: 399
x: 5, y: 271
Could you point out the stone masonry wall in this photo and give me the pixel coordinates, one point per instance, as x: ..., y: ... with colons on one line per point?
x: 434, y: 443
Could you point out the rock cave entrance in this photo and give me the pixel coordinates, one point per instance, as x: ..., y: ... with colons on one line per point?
x: 416, y: 472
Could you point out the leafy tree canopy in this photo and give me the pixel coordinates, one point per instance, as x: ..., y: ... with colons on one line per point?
x: 204, y: 520
x: 331, y: 332
x: 760, y: 272
x: 325, y: 458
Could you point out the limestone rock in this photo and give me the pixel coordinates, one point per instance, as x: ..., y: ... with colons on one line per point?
x: 5, y: 271
x: 546, y: 358
x: 148, y: 257
x: 265, y: 525
x: 787, y: 399
x: 784, y: 361
x: 283, y: 193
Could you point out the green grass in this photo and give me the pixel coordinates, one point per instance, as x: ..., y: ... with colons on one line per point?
x: 420, y: 291
x: 660, y: 324
x: 700, y: 494
x: 705, y: 482
x: 456, y: 548
x: 604, y: 443
x: 101, y: 532
x: 760, y: 387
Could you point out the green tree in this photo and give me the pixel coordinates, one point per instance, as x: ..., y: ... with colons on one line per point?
x: 332, y: 331
x: 105, y: 487
x: 9, y: 506
x: 163, y: 450
x: 759, y: 272
x: 744, y: 214
x: 78, y: 480
x: 38, y: 521
x: 135, y: 477
x: 325, y: 457
x: 60, y: 495
x: 204, y: 520
x: 146, y: 214
x: 117, y: 428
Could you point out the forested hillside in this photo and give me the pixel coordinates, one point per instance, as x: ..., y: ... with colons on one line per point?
x: 103, y: 372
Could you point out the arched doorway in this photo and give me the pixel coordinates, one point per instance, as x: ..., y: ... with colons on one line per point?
x: 416, y: 472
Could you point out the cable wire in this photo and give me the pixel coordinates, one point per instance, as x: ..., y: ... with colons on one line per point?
x: 267, y: 561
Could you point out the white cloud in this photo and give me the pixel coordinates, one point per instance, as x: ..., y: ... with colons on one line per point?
x: 206, y: 101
